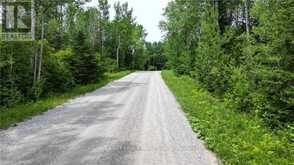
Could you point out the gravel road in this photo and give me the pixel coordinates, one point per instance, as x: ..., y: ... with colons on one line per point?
x: 132, y: 121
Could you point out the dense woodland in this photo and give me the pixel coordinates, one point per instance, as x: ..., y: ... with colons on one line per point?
x: 74, y: 45
x: 242, y: 51
x: 229, y: 63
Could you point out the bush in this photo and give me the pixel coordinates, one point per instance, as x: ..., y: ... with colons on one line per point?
x: 9, y: 96
x: 36, y: 91
x: 239, y: 93
x: 109, y: 64
x: 102, y: 66
x: 58, y: 77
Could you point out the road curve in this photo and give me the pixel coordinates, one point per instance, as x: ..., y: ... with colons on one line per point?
x: 132, y: 121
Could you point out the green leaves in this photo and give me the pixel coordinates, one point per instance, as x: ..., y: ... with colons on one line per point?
x: 79, y: 47
x: 241, y: 51
x: 237, y: 138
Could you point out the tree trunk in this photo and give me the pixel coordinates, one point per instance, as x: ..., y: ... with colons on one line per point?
x: 133, y: 58
x: 42, y: 46
x: 35, y: 63
x: 117, y: 52
x: 247, y: 19
x: 33, y: 31
x: 33, y: 24
x: 102, y: 41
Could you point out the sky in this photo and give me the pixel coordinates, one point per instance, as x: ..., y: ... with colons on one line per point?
x: 147, y: 12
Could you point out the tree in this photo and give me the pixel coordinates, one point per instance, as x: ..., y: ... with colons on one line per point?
x: 156, y: 59
x: 84, y: 62
x: 72, y: 45
x: 274, y: 56
x: 242, y: 51
x: 104, y: 10
x: 182, y: 28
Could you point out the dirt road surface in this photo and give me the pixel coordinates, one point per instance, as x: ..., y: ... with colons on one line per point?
x: 132, y: 121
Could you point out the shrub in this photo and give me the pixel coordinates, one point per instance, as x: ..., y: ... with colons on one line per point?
x: 239, y: 92
x: 9, y: 96
x: 58, y: 77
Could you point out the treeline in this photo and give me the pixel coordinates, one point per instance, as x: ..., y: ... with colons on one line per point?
x: 156, y: 59
x: 241, y: 50
x: 73, y: 46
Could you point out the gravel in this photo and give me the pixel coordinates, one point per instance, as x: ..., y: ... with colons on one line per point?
x: 132, y: 121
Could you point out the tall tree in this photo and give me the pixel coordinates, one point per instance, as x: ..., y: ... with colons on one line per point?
x: 104, y: 10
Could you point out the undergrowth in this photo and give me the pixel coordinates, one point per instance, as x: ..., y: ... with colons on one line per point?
x: 237, y: 138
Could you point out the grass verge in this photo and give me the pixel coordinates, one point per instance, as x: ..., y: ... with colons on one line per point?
x: 21, y: 112
x: 237, y: 138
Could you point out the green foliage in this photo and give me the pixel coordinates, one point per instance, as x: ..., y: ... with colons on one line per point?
x: 209, y: 65
x: 55, y: 34
x: 36, y: 91
x: 183, y: 66
x: 274, y: 74
x: 239, y: 91
x: 182, y: 34
x: 61, y: 83
x: 237, y: 138
x: 126, y: 39
x: 9, y: 95
x: 241, y: 51
x: 84, y: 62
x: 108, y: 64
x: 64, y: 55
x: 15, y: 72
x: 155, y: 58
x: 73, y: 51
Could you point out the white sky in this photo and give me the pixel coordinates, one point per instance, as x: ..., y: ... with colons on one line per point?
x: 147, y: 12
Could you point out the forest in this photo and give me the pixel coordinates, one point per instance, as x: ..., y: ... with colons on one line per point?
x: 74, y: 45
x: 232, y: 64
x: 229, y: 64
x: 241, y: 51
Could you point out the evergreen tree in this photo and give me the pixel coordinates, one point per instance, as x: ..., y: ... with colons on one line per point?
x: 274, y: 56
x: 84, y: 64
x: 209, y: 66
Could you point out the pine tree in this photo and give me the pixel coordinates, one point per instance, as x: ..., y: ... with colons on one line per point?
x: 84, y: 64
x: 274, y: 56
x: 208, y: 61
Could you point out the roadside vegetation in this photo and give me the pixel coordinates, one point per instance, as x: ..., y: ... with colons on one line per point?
x: 74, y: 47
x: 18, y: 113
x: 234, y: 62
x: 237, y: 138
x: 240, y: 51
